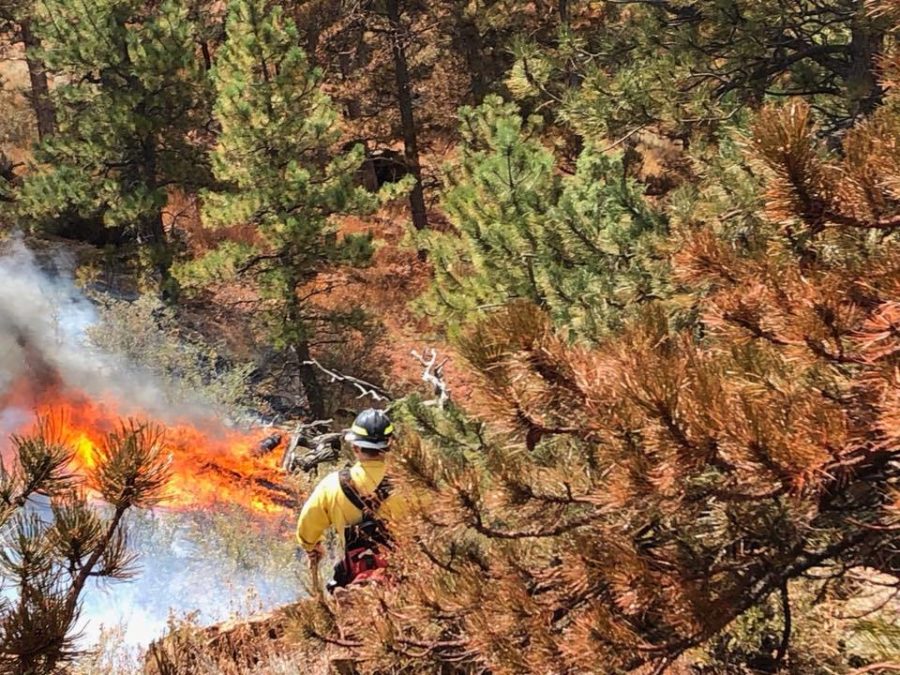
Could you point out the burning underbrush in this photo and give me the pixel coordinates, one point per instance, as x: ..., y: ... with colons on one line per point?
x: 49, y: 367
x: 211, y: 463
x: 221, y: 541
x: 219, y: 544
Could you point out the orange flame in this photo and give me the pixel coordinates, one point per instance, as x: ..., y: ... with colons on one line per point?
x: 211, y: 463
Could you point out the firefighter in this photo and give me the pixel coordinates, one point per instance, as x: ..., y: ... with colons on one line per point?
x: 355, y: 502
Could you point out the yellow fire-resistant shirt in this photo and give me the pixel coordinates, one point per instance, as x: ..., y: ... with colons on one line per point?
x: 327, y: 506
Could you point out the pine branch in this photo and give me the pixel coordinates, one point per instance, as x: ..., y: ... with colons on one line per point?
x: 476, y: 520
x: 85, y: 572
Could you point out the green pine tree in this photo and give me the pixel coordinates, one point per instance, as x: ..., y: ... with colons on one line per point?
x: 683, y: 68
x: 582, y: 245
x: 274, y: 159
x: 129, y: 100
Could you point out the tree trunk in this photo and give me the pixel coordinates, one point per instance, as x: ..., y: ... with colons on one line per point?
x: 467, y: 40
x: 153, y: 226
x: 7, y: 168
x: 866, y: 47
x: 162, y: 255
x: 407, y: 119
x: 40, y: 88
x: 295, y: 335
x: 309, y: 380
x: 348, y: 56
x: 207, y: 56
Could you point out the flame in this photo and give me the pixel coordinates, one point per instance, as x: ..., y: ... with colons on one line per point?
x: 211, y: 463
x: 84, y: 450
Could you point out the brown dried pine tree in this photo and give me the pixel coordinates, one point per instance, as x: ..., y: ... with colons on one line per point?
x: 616, y: 505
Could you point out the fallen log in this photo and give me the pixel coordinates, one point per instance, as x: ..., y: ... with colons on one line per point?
x: 245, y: 645
x: 233, y: 646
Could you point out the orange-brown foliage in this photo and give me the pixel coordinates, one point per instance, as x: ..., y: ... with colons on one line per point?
x: 627, y: 501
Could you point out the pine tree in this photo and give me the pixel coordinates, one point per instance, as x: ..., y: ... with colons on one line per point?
x: 272, y: 157
x: 16, y: 19
x: 683, y: 68
x: 584, y: 246
x: 47, y: 559
x: 614, y: 504
x: 399, y: 69
x: 129, y: 102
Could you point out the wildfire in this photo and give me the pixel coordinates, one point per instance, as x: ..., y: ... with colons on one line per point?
x: 211, y: 463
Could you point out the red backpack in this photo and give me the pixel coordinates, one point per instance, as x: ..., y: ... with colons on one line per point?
x: 367, y: 542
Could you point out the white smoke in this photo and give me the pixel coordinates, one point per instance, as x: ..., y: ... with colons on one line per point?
x: 188, y: 569
x: 44, y: 319
x: 41, y: 320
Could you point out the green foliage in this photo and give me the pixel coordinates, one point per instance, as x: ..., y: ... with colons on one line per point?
x: 148, y: 334
x: 130, y: 99
x: 275, y: 161
x: 750, y: 644
x: 724, y: 188
x: 461, y: 438
x: 16, y: 127
x: 277, y: 130
x: 585, y: 245
x: 684, y: 68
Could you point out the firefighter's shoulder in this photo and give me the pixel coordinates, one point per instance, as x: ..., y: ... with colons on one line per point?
x: 326, y: 490
x: 331, y: 483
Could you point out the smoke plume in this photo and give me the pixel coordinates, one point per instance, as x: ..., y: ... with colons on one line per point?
x: 194, y: 557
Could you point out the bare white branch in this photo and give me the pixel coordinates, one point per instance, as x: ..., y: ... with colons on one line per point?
x: 434, y: 375
x: 310, y: 426
x: 364, y: 388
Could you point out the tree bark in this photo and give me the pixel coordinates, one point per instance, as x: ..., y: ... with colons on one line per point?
x: 207, y: 56
x: 866, y: 47
x: 310, y: 382
x: 467, y: 40
x: 407, y: 118
x: 7, y: 168
x: 348, y: 61
x: 153, y: 226
x: 40, y: 88
x: 295, y: 331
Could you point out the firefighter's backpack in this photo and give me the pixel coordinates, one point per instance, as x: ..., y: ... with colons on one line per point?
x: 367, y: 542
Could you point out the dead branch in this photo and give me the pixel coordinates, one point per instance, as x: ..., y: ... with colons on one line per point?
x: 364, y: 388
x: 306, y: 451
x: 305, y: 427
x: 434, y: 375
